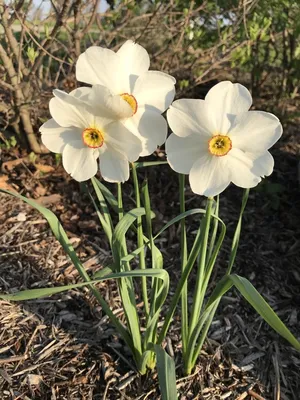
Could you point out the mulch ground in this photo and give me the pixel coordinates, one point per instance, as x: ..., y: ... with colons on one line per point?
x: 64, y: 347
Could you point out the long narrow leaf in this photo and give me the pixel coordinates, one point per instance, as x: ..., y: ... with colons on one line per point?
x: 249, y: 292
x: 62, y: 237
x: 126, y: 287
x: 166, y: 374
x: 122, y: 228
x: 55, y: 226
x: 109, y: 197
x: 237, y: 233
x: 31, y: 294
x: 118, y: 237
x: 179, y: 218
x: 149, y: 163
x: 106, y: 226
x: 106, y: 214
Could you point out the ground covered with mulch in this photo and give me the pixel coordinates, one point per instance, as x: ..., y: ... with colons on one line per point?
x: 64, y: 347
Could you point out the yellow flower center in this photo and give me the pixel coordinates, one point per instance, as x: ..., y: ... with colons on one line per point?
x: 92, y: 137
x: 131, y: 100
x: 219, y: 145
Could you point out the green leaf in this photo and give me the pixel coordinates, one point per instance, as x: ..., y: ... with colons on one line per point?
x: 104, y: 272
x: 62, y: 237
x: 237, y: 233
x: 31, y: 294
x: 180, y: 217
x: 249, y: 292
x: 166, y: 374
x: 32, y: 54
x: 56, y: 228
x: 126, y: 287
x: 173, y: 221
x: 110, y: 198
x: 102, y: 204
x: 104, y: 218
x: 121, y: 230
x: 149, y: 163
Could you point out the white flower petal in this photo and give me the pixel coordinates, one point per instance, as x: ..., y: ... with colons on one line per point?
x: 183, y: 152
x: 154, y: 90
x: 263, y: 164
x: 150, y: 127
x: 189, y: 116
x: 255, y: 131
x: 134, y: 61
x: 68, y: 111
x: 240, y: 167
x: 104, y: 104
x: 225, y: 100
x: 80, y: 161
x: 99, y: 66
x: 209, y: 176
x: 114, y: 166
x: 81, y: 93
x: 229, y: 98
x: 55, y: 137
x: 118, y: 137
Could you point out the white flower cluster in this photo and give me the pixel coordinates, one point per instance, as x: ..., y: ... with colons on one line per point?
x: 118, y: 119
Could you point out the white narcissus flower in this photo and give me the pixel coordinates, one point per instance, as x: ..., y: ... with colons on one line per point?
x: 126, y: 74
x: 217, y: 140
x: 83, y: 137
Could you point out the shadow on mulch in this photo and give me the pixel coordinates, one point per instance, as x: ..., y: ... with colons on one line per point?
x: 64, y: 347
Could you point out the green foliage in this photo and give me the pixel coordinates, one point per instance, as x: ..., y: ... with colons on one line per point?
x: 166, y: 374
x: 32, y: 54
x: 8, y: 143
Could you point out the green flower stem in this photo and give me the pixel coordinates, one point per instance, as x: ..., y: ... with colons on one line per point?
x: 194, y: 353
x: 183, y: 247
x: 201, y: 269
x: 188, y: 267
x: 201, y: 340
x: 121, y: 215
x: 120, y: 201
x: 151, y: 335
x: 193, y: 350
x: 215, y: 229
x: 140, y: 240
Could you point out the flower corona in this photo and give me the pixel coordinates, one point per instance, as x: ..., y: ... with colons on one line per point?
x: 131, y: 100
x: 219, y: 145
x: 93, y: 138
